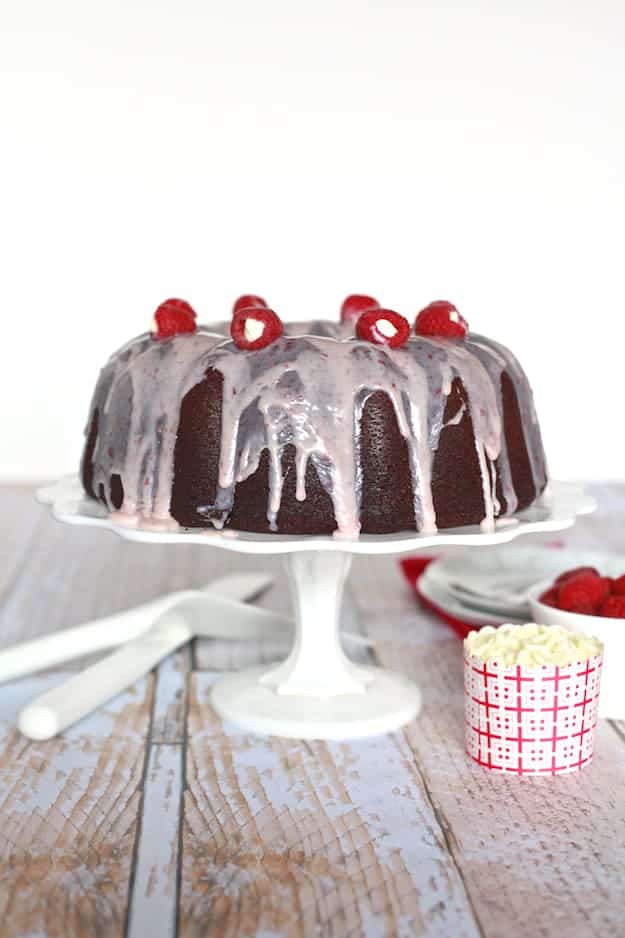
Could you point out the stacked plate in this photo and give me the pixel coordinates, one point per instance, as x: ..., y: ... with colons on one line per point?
x: 488, y: 586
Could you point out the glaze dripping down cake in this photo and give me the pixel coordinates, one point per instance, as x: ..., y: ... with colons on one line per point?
x: 364, y: 425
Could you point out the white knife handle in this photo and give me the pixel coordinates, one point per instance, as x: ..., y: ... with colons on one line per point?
x: 57, y: 709
x: 45, y: 652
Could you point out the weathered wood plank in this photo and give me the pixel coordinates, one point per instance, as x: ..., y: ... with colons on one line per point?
x: 170, y: 698
x: 153, y: 905
x: 69, y: 811
x: 288, y: 838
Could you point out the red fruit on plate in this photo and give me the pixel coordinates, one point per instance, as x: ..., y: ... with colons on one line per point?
x: 355, y: 304
x: 576, y: 571
x: 606, y: 585
x: 583, y: 588
x: 255, y: 328
x: 383, y: 327
x: 247, y: 301
x: 549, y: 598
x: 618, y: 586
x: 441, y: 320
x: 173, y: 317
x: 613, y: 607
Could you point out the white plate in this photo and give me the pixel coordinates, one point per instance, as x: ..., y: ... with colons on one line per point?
x: 554, y: 511
x: 435, y: 593
x: 507, y: 567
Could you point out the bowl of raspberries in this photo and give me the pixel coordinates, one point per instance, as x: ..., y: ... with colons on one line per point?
x: 584, y: 599
x: 584, y: 591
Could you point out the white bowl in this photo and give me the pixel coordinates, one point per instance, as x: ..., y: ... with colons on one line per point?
x: 609, y: 631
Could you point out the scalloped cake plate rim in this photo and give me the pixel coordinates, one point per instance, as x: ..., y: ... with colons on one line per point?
x: 556, y: 510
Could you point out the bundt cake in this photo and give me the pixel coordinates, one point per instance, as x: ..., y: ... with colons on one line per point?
x: 364, y: 425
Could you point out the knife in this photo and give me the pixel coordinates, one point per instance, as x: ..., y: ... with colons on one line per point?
x: 62, y: 706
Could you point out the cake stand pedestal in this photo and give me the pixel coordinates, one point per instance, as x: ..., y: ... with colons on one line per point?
x: 317, y: 692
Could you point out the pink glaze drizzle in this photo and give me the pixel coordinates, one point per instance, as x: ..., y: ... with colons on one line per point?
x: 307, y: 389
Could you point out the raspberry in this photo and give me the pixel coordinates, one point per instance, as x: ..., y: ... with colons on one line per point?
x: 583, y: 588
x: 583, y: 609
x: 576, y: 571
x: 618, y: 586
x: 606, y: 585
x: 613, y: 607
x: 549, y: 598
x: 255, y: 328
x: 355, y: 304
x: 173, y: 317
x: 441, y: 319
x: 247, y: 301
x: 383, y: 327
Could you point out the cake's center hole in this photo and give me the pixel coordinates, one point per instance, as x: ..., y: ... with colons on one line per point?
x: 253, y: 329
x: 387, y: 328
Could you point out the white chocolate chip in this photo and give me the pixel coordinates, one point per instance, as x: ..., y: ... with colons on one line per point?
x: 253, y: 329
x: 531, y: 645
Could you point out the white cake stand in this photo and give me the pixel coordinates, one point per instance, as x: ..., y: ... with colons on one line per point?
x: 318, y: 693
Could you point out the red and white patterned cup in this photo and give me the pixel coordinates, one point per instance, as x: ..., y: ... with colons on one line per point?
x: 531, y: 721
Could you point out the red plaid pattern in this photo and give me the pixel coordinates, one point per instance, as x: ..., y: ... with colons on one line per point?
x: 531, y: 721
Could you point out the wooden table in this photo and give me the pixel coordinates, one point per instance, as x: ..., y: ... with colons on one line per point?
x: 151, y: 819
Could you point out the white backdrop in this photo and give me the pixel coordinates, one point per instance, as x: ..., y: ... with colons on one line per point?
x: 467, y: 151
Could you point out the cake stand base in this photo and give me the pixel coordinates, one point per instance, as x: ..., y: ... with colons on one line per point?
x: 317, y: 693
x: 388, y: 702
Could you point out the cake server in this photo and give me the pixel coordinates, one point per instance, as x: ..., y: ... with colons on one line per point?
x: 62, y: 706
x: 109, y: 631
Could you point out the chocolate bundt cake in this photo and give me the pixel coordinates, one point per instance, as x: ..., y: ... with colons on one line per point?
x: 358, y: 426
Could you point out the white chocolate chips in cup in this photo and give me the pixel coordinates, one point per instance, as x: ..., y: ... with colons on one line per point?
x: 531, y: 645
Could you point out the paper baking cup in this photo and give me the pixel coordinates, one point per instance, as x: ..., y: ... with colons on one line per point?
x: 531, y: 721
